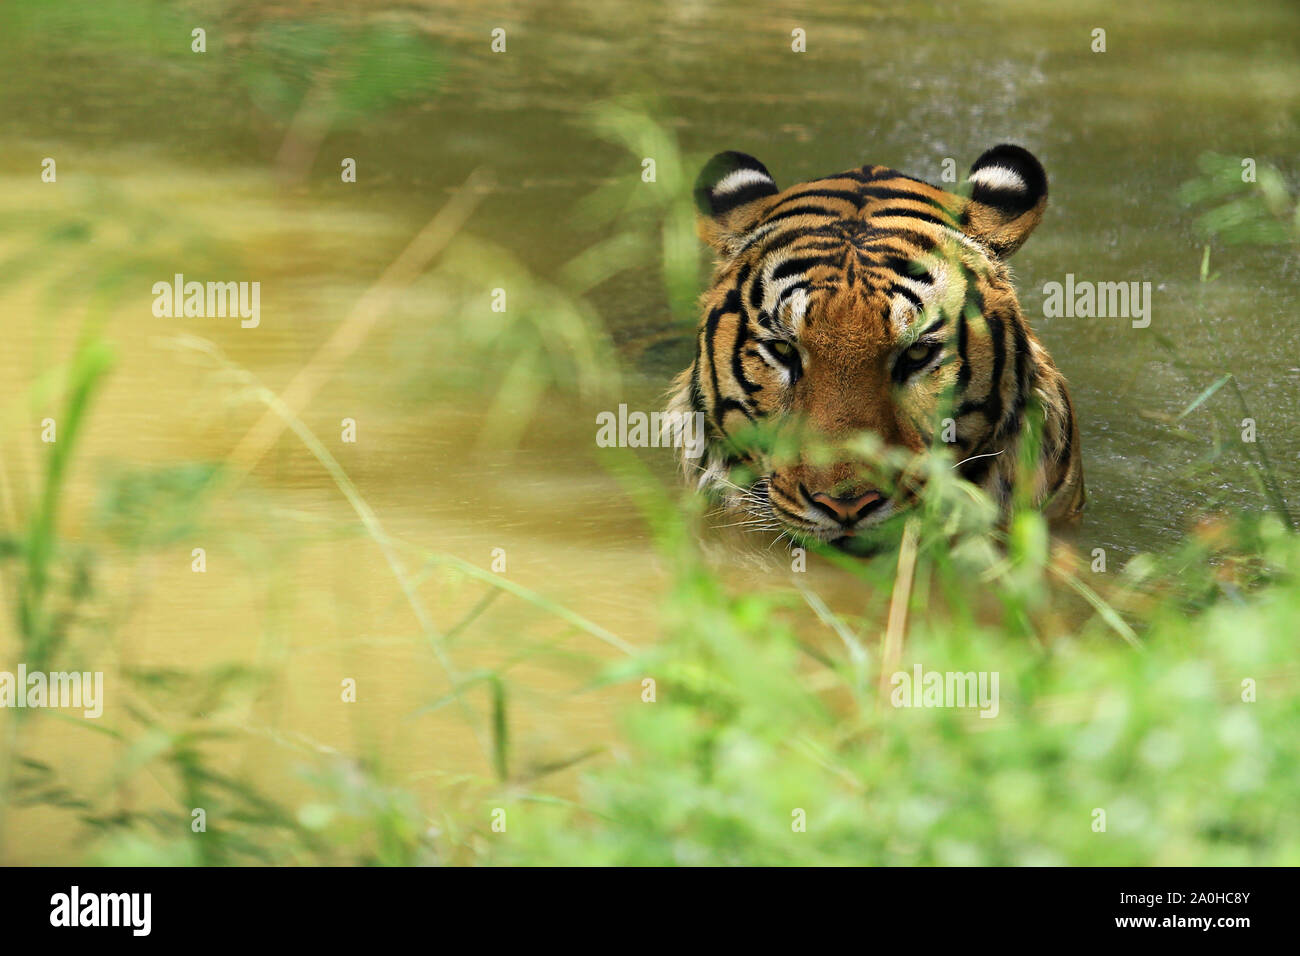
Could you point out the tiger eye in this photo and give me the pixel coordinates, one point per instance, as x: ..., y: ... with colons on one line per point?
x: 918, y: 352
x: 784, y: 349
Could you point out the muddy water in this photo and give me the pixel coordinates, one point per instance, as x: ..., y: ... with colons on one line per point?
x: 163, y: 167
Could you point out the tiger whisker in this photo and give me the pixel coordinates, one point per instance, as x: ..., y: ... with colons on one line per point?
x: 991, y: 454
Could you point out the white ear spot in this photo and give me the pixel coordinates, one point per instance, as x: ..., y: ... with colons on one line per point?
x: 739, y: 179
x: 999, y: 178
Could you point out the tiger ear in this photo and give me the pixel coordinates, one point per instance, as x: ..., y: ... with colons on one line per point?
x: 731, y: 193
x: 1008, y: 193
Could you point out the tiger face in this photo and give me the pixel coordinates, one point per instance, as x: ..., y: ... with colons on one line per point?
x: 869, y: 304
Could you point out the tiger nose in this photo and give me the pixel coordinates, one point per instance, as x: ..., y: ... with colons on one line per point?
x: 850, y: 508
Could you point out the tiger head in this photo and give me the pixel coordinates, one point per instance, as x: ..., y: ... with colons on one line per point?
x: 868, y: 303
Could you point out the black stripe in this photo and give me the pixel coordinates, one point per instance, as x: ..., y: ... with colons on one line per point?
x: 1014, y: 416
x: 867, y: 174
x: 910, y: 214
x: 734, y: 199
x: 963, y: 373
x: 907, y: 294
x: 806, y: 210
x: 788, y: 290
x: 923, y: 242
x: 756, y: 292
x: 795, y: 266
x: 933, y: 326
x: 911, y: 268
x: 1067, y: 443
x: 778, y: 242
x: 851, y: 196
x: 888, y: 192
x: 730, y: 404
x: 730, y: 305
x: 830, y: 244
x: 1009, y: 202
x: 998, y: 342
x: 737, y: 367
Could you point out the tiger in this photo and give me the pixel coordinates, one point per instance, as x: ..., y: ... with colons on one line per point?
x: 871, y: 302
